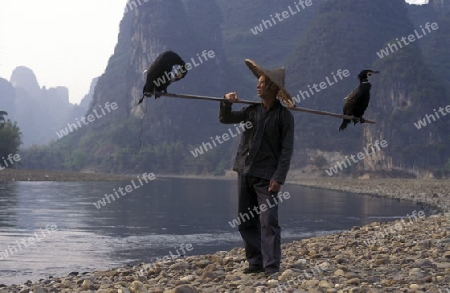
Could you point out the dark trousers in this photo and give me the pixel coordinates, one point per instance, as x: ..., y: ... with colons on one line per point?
x: 259, y: 229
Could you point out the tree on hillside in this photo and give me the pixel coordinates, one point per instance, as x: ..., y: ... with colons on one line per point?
x: 9, y: 136
x: 2, y: 119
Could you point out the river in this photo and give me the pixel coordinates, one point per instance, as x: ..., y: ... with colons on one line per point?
x: 54, y: 228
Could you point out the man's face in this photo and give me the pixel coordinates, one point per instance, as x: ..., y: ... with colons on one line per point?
x: 260, y: 88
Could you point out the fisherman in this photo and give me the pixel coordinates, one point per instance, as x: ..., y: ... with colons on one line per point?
x: 262, y: 163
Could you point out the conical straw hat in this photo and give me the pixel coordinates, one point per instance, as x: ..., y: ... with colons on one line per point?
x: 277, y: 76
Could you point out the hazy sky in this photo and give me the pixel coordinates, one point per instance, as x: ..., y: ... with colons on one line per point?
x: 65, y: 42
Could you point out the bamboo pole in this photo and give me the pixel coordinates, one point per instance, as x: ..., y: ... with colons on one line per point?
x: 299, y: 109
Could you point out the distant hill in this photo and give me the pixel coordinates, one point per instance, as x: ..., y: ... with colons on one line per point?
x: 39, y: 112
x: 87, y: 99
x: 272, y: 44
x: 313, y: 44
x: 348, y: 35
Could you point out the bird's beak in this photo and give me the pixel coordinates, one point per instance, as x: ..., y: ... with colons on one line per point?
x: 372, y: 72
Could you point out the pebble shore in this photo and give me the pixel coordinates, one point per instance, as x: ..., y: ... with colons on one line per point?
x: 408, y: 255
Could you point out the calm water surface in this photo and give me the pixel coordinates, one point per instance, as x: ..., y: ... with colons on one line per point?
x: 152, y: 221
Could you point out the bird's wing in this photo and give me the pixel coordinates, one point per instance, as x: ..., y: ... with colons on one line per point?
x: 351, y: 101
x: 353, y: 92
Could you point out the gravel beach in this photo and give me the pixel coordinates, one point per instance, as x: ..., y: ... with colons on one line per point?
x: 408, y: 255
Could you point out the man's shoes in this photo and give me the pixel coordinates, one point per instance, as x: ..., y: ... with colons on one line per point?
x: 253, y: 270
x: 272, y: 273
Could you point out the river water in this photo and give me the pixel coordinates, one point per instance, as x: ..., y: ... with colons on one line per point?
x: 54, y: 228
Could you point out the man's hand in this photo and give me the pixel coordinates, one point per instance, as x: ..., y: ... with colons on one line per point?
x: 274, y: 186
x: 232, y: 97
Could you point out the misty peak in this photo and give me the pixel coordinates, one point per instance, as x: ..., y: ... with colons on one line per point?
x: 25, y: 78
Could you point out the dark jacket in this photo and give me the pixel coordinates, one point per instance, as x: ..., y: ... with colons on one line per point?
x: 266, y: 148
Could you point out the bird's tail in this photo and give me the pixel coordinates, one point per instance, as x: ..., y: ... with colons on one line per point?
x: 344, y: 124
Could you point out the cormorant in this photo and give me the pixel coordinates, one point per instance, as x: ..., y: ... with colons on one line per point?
x: 166, y: 68
x: 357, y: 101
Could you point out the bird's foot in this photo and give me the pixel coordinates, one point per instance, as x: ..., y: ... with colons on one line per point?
x: 362, y: 120
x: 158, y: 94
x: 142, y: 99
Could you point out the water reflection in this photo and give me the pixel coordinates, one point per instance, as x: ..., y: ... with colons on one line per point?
x: 8, y: 202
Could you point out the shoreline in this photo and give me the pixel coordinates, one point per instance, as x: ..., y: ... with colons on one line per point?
x: 430, y: 192
x: 13, y: 175
x: 407, y: 255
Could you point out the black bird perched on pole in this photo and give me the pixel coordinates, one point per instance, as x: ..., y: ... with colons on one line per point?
x: 357, y: 101
x: 167, y: 68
